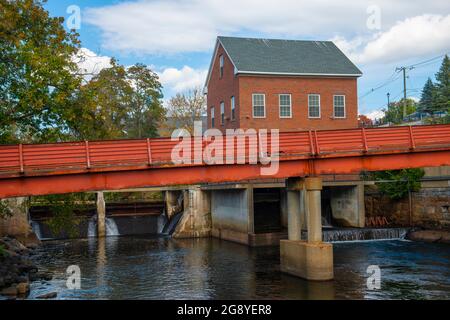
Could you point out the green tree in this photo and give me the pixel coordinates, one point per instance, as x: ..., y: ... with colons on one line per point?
x: 100, y: 109
x: 118, y: 103
x: 395, y: 112
x: 426, y: 99
x: 396, y: 184
x: 37, y: 74
x: 441, y: 99
x: 145, y: 110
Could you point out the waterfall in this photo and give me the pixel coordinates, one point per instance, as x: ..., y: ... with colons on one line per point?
x: 170, y: 226
x: 92, y: 227
x: 36, y: 229
x: 161, y: 222
x: 111, y: 227
x: 363, y: 234
x: 110, y: 224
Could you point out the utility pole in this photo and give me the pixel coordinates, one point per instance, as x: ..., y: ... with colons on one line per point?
x: 403, y: 69
x: 388, y: 94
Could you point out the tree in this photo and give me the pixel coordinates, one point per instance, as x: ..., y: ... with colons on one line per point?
x: 100, y: 109
x: 118, y: 103
x: 365, y: 121
x: 441, y: 99
x: 146, y: 110
x: 37, y: 74
x: 426, y: 100
x: 396, y: 184
x: 395, y: 112
x: 184, y: 109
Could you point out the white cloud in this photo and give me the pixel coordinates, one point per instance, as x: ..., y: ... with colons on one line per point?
x: 174, y: 26
x: 90, y: 64
x: 179, y: 80
x: 376, y: 114
x: 417, y: 36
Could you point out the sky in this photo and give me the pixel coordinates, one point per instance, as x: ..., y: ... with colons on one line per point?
x: 176, y: 38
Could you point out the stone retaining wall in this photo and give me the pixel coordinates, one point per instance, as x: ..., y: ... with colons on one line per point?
x: 430, y: 208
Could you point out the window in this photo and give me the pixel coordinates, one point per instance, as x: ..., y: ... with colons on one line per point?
x: 212, y: 117
x: 233, y: 115
x: 221, y: 66
x: 314, y: 106
x: 339, y: 106
x: 259, y: 107
x: 222, y: 113
x: 285, y: 106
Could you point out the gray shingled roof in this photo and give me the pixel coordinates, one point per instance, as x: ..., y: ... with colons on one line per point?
x: 287, y: 56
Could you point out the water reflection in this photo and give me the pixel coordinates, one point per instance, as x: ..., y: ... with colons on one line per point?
x: 164, y: 268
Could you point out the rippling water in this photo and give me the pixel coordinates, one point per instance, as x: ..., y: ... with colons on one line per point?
x: 165, y: 268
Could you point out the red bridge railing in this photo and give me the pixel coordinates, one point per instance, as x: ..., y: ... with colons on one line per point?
x: 68, y: 157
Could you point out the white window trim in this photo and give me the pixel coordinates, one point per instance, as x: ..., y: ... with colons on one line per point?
x: 320, y: 113
x: 213, y: 119
x: 233, y: 108
x: 334, y: 109
x: 222, y: 113
x: 290, y: 105
x: 253, y: 106
x: 221, y: 66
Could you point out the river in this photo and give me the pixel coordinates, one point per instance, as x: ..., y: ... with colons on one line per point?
x: 165, y: 268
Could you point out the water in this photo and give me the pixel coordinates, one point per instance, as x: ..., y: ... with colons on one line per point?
x: 165, y: 268
x: 111, y: 227
x: 36, y: 229
x: 110, y: 224
x: 362, y: 234
x: 92, y: 227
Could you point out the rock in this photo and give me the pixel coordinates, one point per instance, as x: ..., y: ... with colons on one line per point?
x: 10, y: 291
x: 23, y: 288
x: 429, y: 236
x: 45, y: 276
x: 30, y: 240
x: 14, y: 245
x: 49, y: 295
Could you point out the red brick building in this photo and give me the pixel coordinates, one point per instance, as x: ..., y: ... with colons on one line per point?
x: 284, y: 84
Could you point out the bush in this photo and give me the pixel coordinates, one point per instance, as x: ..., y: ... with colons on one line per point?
x: 396, y: 184
x: 3, y: 252
x: 5, y: 211
x: 63, y: 208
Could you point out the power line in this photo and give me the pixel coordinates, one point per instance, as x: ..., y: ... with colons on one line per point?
x: 396, y: 75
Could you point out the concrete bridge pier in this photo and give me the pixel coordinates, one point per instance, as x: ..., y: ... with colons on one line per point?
x: 310, y: 259
x: 196, y: 219
x: 173, y: 202
x: 101, y: 215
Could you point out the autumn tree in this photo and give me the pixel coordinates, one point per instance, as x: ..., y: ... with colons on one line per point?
x: 365, y: 121
x: 184, y: 109
x: 37, y: 75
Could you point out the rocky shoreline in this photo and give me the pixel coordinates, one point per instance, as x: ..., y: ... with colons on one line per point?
x: 17, y: 270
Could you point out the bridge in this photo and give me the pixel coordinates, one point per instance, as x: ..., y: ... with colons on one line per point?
x: 39, y: 169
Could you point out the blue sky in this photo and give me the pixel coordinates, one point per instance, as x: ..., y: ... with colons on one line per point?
x: 176, y: 37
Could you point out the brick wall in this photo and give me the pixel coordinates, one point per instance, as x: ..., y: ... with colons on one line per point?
x: 299, y: 88
x: 221, y: 89
x: 243, y: 86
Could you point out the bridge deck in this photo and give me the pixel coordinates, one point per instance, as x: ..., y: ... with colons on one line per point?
x: 38, y: 169
x: 117, y: 155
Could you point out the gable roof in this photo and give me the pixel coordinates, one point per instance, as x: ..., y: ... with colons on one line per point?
x: 285, y: 57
